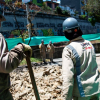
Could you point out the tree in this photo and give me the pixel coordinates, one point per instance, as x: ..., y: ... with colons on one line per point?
x: 92, y: 7
x: 66, y: 13
x: 45, y: 8
x: 84, y: 17
x: 58, y: 10
x: 12, y: 7
x: 15, y: 5
x: 8, y: 1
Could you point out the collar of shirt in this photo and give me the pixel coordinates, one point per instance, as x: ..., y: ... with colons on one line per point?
x: 76, y: 39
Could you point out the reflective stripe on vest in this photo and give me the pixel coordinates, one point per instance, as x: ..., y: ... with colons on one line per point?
x: 78, y: 71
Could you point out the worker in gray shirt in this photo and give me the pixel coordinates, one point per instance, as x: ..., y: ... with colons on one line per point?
x: 9, y: 60
x: 81, y: 79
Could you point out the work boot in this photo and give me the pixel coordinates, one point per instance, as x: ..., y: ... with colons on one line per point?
x: 51, y: 60
x: 45, y: 62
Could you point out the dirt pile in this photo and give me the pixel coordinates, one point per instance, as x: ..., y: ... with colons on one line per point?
x: 48, y: 80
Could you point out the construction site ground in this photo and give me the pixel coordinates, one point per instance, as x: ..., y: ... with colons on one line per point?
x: 48, y: 79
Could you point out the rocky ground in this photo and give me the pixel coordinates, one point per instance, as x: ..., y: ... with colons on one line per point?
x: 48, y: 80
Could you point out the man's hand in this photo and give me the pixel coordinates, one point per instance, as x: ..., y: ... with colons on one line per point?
x: 27, y: 48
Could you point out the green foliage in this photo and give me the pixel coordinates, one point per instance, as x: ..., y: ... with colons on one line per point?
x: 76, y: 12
x: 58, y: 10
x: 93, y: 9
x: 65, y: 12
x: 37, y: 60
x: 82, y: 17
x: 25, y: 34
x: 8, y: 1
x: 90, y: 14
x: 17, y: 33
x: 45, y: 32
x: 50, y: 33
x: 45, y: 7
x: 92, y: 21
x: 55, y: 11
x: 36, y: 3
x: 48, y: 8
x: 82, y: 2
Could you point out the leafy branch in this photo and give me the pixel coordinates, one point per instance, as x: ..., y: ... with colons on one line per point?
x: 92, y: 7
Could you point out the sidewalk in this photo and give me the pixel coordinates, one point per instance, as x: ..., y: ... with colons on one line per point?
x: 58, y: 61
x: 98, y: 60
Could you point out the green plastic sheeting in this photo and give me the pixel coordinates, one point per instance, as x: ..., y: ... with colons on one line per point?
x: 11, y: 42
x: 92, y: 36
x: 36, y: 40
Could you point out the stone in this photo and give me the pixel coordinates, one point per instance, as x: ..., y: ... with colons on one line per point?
x: 48, y: 81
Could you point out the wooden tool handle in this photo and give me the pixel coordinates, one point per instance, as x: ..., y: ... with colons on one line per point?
x: 32, y: 76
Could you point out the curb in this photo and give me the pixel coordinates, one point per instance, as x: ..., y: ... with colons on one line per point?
x: 98, y: 55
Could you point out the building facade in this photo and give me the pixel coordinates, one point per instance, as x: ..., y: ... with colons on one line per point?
x: 44, y: 25
x: 75, y: 4
x: 52, y: 4
x: 70, y: 10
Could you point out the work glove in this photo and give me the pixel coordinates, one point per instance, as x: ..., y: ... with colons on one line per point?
x: 28, y: 49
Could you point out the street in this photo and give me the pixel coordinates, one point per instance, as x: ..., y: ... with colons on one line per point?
x: 59, y: 60
x: 98, y: 60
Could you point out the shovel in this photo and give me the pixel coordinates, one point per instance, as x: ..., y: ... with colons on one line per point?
x: 32, y: 76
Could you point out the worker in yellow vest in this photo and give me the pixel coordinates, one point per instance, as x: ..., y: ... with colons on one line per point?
x: 50, y: 50
x: 43, y: 51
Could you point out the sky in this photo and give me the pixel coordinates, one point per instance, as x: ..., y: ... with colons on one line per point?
x: 58, y: 1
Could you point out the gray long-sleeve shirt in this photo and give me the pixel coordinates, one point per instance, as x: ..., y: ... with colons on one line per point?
x: 79, y: 70
x: 9, y: 60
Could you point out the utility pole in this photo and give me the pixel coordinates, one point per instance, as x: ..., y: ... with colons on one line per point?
x: 28, y: 23
x: 27, y: 12
x: 27, y: 56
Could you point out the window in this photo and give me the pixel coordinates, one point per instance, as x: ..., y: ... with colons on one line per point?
x: 38, y: 1
x: 55, y: 6
x: 49, y: 4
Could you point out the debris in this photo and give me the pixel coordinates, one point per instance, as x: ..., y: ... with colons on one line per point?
x: 48, y: 80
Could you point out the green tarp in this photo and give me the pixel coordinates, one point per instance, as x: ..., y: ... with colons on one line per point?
x: 36, y: 40
x: 11, y: 42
